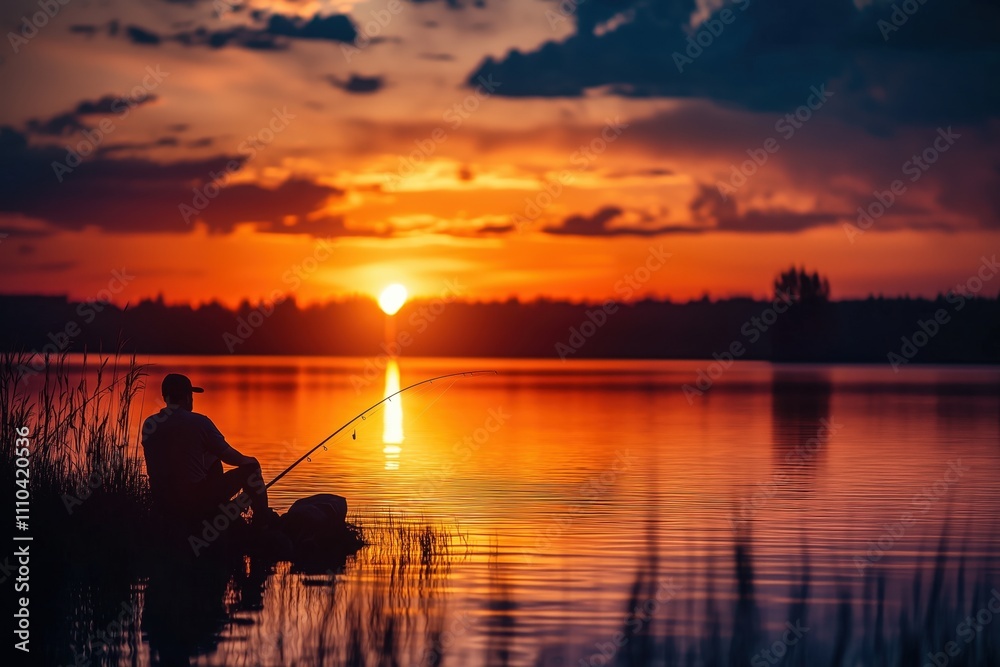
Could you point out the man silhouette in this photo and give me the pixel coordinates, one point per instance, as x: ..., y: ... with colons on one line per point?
x: 184, y: 453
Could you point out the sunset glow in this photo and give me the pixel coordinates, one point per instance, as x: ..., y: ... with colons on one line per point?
x: 392, y: 298
x: 231, y: 149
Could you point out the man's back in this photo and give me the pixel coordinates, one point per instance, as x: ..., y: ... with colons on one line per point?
x: 180, y: 446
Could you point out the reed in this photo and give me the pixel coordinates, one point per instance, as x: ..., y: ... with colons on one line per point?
x: 85, y: 459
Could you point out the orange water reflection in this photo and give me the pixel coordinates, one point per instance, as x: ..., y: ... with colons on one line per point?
x: 568, y: 475
x: 392, y: 429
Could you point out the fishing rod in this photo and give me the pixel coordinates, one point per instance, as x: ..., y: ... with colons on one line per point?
x: 364, y: 412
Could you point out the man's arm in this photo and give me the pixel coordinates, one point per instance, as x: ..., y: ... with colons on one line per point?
x: 216, y: 443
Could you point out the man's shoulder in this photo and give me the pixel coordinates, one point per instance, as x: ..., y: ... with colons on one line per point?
x: 153, y: 422
x: 183, y: 418
x: 200, y: 418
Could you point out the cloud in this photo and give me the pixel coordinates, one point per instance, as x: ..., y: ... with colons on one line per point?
x: 40, y: 267
x: 268, y: 32
x: 598, y: 225
x: 651, y: 172
x: 358, y: 84
x: 709, y: 213
x: 328, y: 226
x: 712, y: 213
x: 138, y: 35
x: 139, y: 145
x: 71, y: 122
x: 769, y: 51
x: 134, y: 195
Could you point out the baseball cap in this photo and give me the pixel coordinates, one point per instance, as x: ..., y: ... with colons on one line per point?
x: 175, y: 384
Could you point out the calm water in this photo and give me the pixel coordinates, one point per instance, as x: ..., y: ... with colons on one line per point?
x: 563, y: 480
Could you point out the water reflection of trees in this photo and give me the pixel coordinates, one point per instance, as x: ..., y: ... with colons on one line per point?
x: 800, y: 422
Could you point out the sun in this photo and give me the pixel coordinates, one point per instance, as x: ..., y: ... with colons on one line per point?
x: 392, y: 298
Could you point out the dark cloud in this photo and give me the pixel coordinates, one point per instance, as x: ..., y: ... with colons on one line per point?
x: 598, y: 225
x: 138, y: 35
x: 269, y: 32
x: 328, y: 226
x: 112, y: 104
x: 455, y: 4
x: 138, y: 195
x: 138, y: 145
x: 70, y: 122
x: 42, y: 267
x: 358, y: 84
x: 713, y: 213
x: 22, y: 233
x: 57, y: 126
x: 497, y: 229
x: 709, y: 212
x: 932, y: 70
x: 640, y: 173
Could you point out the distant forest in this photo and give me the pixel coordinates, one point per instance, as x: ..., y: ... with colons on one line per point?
x: 800, y: 324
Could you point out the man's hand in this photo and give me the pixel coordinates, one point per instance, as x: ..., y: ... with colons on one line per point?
x: 234, y: 458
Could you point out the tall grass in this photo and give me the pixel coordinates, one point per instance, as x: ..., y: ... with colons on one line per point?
x: 85, y: 458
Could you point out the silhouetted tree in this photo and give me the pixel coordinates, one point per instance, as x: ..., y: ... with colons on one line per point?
x: 802, y: 287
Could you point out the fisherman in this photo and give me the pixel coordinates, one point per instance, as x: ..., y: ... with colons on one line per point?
x: 184, y: 454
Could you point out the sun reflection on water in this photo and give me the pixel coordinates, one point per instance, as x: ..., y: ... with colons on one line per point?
x: 392, y: 430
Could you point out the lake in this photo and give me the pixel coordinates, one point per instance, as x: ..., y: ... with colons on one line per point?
x: 594, y: 512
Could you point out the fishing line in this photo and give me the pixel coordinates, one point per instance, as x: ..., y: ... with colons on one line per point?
x: 363, y: 415
x: 371, y: 418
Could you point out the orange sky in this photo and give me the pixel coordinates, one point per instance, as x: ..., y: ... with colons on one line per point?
x: 414, y: 173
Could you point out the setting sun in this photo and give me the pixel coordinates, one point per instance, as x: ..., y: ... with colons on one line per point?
x: 392, y: 298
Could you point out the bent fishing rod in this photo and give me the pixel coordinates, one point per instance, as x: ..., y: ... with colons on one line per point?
x: 364, y: 412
